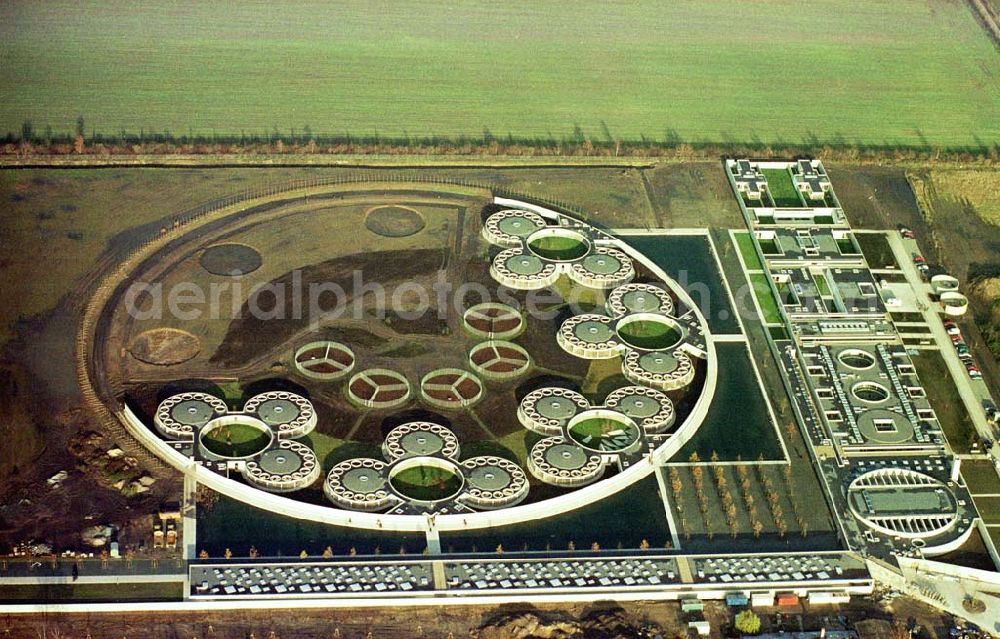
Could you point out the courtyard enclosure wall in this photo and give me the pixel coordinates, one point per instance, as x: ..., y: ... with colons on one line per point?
x: 471, y: 521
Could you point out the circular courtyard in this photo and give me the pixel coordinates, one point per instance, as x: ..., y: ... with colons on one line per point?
x: 355, y: 400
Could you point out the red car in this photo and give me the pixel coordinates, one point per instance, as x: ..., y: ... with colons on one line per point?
x: 918, y: 259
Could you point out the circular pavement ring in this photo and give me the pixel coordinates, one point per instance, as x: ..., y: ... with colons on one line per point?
x: 378, y: 388
x: 401, y: 387
x: 230, y: 259
x: 394, y: 221
x: 451, y: 388
x: 885, y: 427
x: 324, y: 360
x: 493, y: 321
x: 499, y: 360
x: 856, y: 358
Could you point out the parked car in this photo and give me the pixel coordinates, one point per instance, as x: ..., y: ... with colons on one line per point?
x: 907, y: 233
x: 991, y: 412
x: 953, y: 330
x: 956, y: 339
x: 962, y: 348
x: 919, y: 259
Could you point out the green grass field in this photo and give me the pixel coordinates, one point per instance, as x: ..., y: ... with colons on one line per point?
x: 235, y: 440
x: 781, y: 188
x: 768, y: 305
x: 649, y: 334
x: 907, y: 71
x: 428, y: 483
x: 747, y: 250
x: 92, y: 592
x: 555, y: 247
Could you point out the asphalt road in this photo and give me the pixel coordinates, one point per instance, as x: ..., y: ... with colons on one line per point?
x: 973, y: 392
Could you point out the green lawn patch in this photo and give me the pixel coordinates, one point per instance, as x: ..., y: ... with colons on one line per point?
x: 649, y: 334
x: 822, y: 284
x: 781, y: 188
x: 943, y: 396
x: 426, y: 482
x: 157, y: 591
x: 556, y: 247
x: 765, y: 297
x: 750, y: 258
x: 980, y: 476
x: 600, y: 433
x: 235, y: 440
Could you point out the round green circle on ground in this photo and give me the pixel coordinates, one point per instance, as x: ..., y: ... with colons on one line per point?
x: 421, y: 442
x: 518, y: 225
x: 426, y: 481
x: 661, y: 363
x: 394, y: 221
x: 641, y: 302
x: 363, y: 480
x: 235, y: 439
x: 638, y: 406
x: 649, y: 332
x: 603, y: 431
x: 601, y: 264
x: 593, y: 332
x: 556, y: 407
x: 560, y: 245
x: 566, y: 457
x: 230, y: 259
x: 524, y: 264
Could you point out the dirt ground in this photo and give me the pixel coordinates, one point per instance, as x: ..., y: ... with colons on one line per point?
x: 383, y: 623
x: 603, y: 619
x: 692, y: 195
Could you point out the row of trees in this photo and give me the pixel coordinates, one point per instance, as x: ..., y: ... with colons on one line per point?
x: 32, y: 141
x: 328, y: 552
x: 727, y: 497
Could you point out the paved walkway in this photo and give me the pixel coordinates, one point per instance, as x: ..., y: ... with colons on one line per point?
x: 37, y: 570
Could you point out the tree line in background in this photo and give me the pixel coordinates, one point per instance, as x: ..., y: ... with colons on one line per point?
x: 30, y: 142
